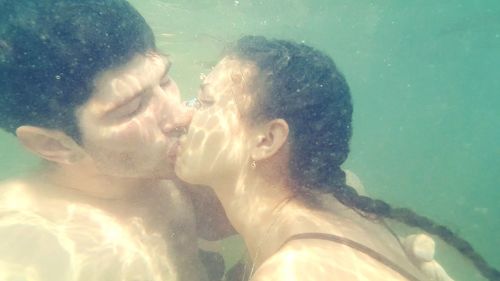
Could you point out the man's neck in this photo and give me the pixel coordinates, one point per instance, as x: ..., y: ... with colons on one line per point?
x: 122, y: 198
x: 92, y: 184
x: 115, y: 195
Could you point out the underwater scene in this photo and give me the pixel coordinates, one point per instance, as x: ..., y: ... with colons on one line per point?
x: 424, y: 78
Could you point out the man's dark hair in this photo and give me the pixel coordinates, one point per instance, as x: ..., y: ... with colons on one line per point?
x: 304, y: 87
x: 52, y: 50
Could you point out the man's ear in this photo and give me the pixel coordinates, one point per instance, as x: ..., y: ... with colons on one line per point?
x: 270, y: 139
x: 52, y: 145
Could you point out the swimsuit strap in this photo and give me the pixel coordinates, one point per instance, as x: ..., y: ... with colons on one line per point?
x: 355, y: 245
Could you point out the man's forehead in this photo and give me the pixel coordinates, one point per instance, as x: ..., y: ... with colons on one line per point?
x: 138, y: 64
x: 121, y: 83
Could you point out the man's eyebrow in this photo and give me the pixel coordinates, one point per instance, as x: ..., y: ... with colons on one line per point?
x: 162, y: 53
x: 168, y: 65
x: 168, y: 62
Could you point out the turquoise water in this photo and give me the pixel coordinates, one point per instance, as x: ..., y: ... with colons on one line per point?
x: 425, y: 80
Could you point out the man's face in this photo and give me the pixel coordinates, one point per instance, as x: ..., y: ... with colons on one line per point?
x: 131, y: 124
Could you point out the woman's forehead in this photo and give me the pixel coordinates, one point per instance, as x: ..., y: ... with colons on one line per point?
x: 233, y: 70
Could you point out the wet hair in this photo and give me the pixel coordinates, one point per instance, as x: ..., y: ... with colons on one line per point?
x: 304, y: 87
x: 51, y: 52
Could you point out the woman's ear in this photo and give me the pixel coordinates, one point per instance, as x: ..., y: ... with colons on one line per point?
x: 270, y: 139
x: 52, y: 145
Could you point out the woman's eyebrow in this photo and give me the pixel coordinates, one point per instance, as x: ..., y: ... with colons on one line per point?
x: 203, y: 86
x: 205, y: 90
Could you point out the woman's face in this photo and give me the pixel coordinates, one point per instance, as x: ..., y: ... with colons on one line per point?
x: 216, y: 147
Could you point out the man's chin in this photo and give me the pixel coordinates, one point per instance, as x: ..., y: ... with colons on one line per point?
x: 186, y: 175
x: 166, y: 172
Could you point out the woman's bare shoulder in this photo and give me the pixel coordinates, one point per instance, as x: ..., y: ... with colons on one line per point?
x: 322, y: 260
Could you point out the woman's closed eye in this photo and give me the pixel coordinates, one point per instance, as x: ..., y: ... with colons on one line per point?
x: 198, y: 103
x: 205, y: 102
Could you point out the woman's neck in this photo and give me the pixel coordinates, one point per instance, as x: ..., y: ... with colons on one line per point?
x: 255, y: 207
x: 266, y: 212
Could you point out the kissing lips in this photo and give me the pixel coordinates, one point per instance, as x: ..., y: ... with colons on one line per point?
x: 174, y: 150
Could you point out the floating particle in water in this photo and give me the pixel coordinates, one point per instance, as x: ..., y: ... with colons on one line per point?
x: 167, y: 35
x: 236, y: 3
x: 481, y: 210
x: 58, y: 77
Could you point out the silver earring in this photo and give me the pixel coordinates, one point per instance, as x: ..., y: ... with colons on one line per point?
x: 253, y: 165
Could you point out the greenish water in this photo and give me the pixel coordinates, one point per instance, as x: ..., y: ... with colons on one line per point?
x: 425, y: 80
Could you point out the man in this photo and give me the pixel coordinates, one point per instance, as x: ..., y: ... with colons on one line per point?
x: 84, y: 88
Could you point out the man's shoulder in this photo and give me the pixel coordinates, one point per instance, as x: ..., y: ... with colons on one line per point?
x: 57, y: 237
x: 18, y: 183
x: 25, y: 210
x: 15, y: 193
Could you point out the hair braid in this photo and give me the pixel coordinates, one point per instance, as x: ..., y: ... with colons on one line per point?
x: 349, y: 197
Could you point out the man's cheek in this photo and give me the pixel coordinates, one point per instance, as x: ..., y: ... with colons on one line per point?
x: 130, y: 132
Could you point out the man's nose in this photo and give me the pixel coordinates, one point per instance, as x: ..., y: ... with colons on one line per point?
x: 178, y: 119
x: 183, y: 119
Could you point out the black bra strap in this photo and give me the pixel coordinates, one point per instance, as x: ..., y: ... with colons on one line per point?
x: 355, y: 245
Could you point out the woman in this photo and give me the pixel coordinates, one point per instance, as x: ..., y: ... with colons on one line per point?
x: 269, y: 137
